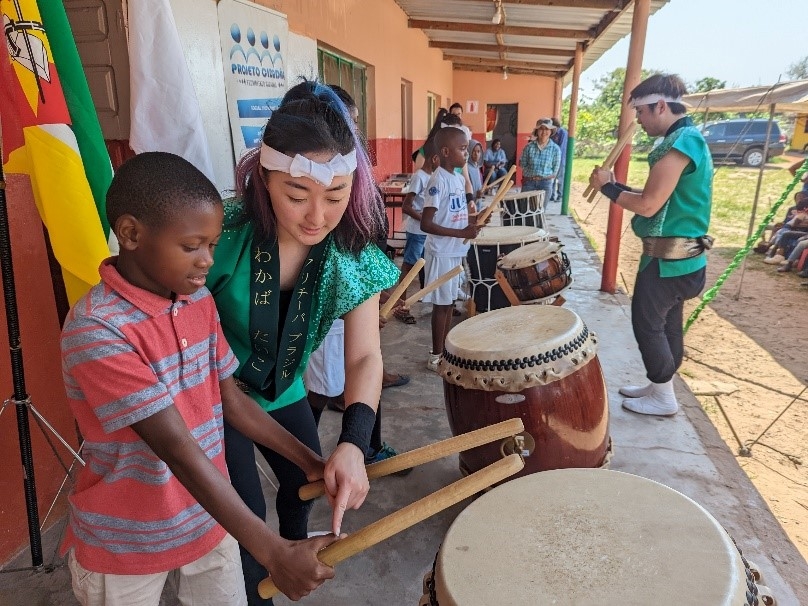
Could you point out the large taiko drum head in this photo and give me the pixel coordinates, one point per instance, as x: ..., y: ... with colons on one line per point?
x: 589, y: 537
x: 537, y: 270
x: 537, y: 363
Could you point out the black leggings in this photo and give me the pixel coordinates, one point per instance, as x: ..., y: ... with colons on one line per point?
x: 293, y: 514
x: 656, y: 317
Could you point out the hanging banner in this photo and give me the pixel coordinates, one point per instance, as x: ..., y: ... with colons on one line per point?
x: 254, y: 50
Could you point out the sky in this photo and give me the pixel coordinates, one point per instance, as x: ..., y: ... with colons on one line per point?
x: 745, y: 42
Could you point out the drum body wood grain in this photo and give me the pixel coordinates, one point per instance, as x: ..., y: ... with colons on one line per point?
x: 586, y: 537
x: 537, y: 271
x: 537, y: 363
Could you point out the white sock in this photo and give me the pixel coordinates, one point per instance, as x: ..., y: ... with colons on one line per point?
x: 636, y: 391
x: 661, y: 401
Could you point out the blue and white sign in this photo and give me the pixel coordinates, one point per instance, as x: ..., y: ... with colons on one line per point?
x: 254, y: 52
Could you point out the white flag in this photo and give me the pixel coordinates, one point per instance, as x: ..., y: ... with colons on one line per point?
x: 164, y: 111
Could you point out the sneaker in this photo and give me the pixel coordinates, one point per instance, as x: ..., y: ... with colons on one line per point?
x: 386, y: 452
x: 775, y: 260
x: 432, y: 362
x: 784, y: 267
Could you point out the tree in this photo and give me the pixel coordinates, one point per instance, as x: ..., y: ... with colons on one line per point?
x: 610, y: 87
x: 708, y: 83
x: 798, y: 70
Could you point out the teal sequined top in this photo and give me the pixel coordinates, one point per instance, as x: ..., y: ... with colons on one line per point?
x: 687, y: 212
x: 346, y: 281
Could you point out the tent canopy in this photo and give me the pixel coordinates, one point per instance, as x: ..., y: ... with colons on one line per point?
x: 786, y: 96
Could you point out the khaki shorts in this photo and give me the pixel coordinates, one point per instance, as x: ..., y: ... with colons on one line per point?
x: 213, y: 580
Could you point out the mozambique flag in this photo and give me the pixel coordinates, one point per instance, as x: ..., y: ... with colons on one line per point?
x: 38, y: 141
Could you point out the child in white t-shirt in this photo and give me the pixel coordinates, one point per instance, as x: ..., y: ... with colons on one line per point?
x: 412, y: 206
x: 445, y: 219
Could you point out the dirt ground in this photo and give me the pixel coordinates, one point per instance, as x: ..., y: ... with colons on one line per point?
x: 752, y: 344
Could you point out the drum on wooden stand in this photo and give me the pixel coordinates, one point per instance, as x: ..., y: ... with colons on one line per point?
x: 538, y: 363
x: 589, y: 537
x: 485, y: 250
x: 523, y: 208
x: 537, y: 271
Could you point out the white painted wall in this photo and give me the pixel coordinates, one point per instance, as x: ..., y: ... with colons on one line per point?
x: 198, y: 28
x: 301, y: 60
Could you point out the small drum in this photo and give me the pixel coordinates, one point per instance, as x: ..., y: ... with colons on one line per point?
x: 585, y: 537
x: 523, y: 208
x: 537, y: 271
x: 534, y: 362
x: 485, y: 250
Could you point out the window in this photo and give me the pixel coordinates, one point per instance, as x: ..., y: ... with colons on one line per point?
x: 348, y: 74
x: 432, y: 104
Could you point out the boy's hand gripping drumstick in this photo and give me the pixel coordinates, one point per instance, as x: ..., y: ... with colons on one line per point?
x: 410, y: 515
x: 427, y: 454
x: 608, y: 163
x: 433, y: 285
x: 385, y: 310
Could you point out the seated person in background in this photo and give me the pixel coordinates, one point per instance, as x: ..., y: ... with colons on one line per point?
x: 799, y: 247
x: 495, y: 158
x: 794, y: 225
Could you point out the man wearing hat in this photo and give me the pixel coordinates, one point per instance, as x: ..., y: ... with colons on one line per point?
x: 540, y: 160
x: 671, y: 216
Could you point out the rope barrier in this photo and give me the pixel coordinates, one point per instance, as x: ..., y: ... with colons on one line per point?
x: 710, y: 294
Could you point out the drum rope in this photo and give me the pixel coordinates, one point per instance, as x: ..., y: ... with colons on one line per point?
x: 711, y: 293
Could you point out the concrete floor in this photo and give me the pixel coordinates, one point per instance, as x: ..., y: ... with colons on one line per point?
x: 683, y: 452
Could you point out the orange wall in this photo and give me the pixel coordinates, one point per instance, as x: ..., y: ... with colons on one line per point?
x: 39, y: 334
x: 534, y: 94
x: 376, y: 34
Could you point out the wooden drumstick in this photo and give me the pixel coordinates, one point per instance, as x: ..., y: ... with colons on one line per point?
x: 608, y: 163
x: 498, y: 181
x: 483, y: 216
x: 430, y: 287
x: 507, y: 289
x: 410, y: 515
x: 427, y: 454
x: 385, y: 310
x: 487, y: 179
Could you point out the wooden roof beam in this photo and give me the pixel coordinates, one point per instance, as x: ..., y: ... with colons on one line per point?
x: 604, y: 5
x: 505, y: 63
x: 490, y: 28
x: 515, y: 70
x: 493, y: 48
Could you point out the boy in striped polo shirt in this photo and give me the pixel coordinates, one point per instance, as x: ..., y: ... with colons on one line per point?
x: 148, y: 376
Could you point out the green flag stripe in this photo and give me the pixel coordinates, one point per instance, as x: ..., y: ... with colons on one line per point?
x: 94, y: 154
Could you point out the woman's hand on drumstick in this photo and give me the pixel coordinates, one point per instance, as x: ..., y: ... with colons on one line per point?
x: 346, y: 482
x: 600, y: 177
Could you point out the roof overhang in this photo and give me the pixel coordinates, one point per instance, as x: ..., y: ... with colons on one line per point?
x: 534, y: 37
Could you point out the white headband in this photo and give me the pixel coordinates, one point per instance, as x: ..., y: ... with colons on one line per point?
x: 653, y: 98
x: 300, y: 166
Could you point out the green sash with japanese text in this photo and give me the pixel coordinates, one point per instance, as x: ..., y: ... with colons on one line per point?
x: 271, y: 367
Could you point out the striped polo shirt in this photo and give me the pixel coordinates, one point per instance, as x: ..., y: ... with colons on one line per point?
x: 127, y: 354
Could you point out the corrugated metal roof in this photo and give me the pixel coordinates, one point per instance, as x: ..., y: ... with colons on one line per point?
x: 464, y: 28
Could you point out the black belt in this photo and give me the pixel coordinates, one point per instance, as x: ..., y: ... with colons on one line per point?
x: 537, y: 178
x: 675, y: 248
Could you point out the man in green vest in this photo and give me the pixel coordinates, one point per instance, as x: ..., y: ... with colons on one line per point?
x: 671, y: 216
